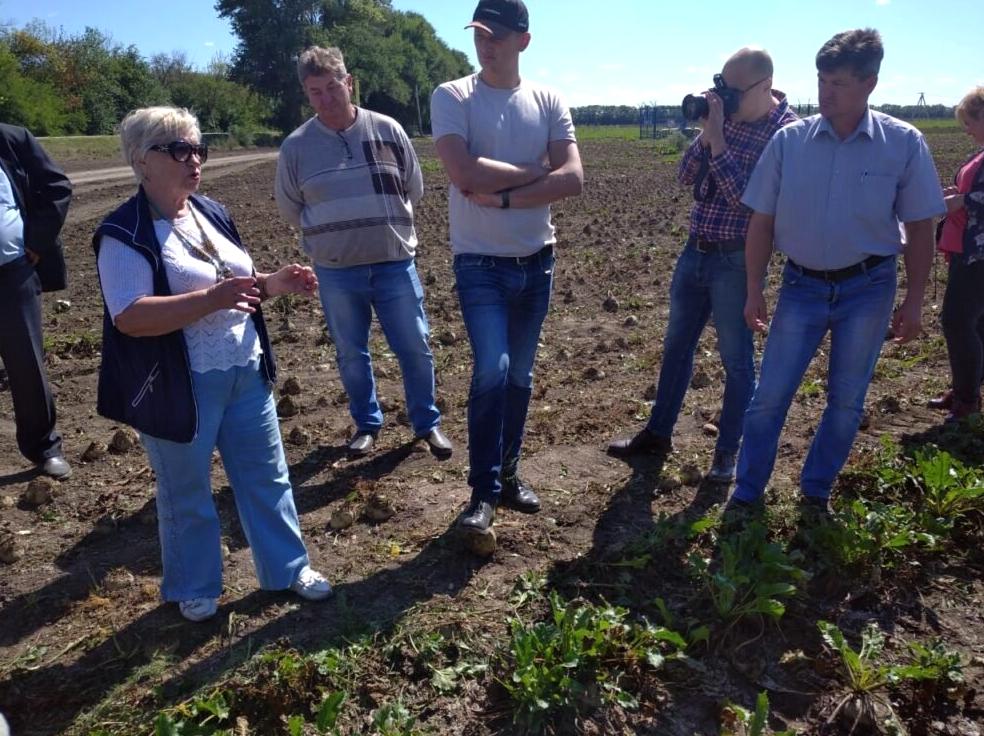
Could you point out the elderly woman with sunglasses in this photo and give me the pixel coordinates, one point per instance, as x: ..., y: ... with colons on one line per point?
x: 186, y: 361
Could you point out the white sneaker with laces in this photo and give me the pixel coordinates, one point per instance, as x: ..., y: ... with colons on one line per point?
x: 199, y: 609
x: 311, y: 585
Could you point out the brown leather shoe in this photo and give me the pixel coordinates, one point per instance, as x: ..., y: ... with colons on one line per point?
x: 644, y: 443
x: 943, y: 402
x: 440, y: 445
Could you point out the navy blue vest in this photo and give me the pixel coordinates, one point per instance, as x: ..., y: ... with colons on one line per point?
x: 145, y: 382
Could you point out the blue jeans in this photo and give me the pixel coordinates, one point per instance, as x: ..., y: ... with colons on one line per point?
x: 503, y: 303
x: 856, y: 312
x: 706, y: 285
x: 236, y: 413
x: 392, y: 289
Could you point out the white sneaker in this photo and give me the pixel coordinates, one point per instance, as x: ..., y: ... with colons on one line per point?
x: 311, y: 585
x: 199, y: 609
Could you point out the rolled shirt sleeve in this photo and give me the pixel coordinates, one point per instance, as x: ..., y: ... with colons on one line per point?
x: 762, y: 191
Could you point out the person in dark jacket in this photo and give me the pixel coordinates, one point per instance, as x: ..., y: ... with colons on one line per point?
x: 186, y: 361
x: 34, y: 199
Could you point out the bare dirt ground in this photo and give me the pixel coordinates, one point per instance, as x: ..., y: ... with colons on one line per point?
x: 85, y: 643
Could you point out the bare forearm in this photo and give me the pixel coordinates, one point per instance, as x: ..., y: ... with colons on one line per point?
x: 554, y: 186
x: 151, y: 316
x: 918, y: 257
x: 758, y: 250
x: 487, y: 176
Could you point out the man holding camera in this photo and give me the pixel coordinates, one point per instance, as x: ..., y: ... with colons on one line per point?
x: 738, y: 117
x: 830, y: 191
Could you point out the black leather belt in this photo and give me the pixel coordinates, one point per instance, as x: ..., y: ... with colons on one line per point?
x: 716, y: 246
x: 841, y: 273
x: 520, y: 260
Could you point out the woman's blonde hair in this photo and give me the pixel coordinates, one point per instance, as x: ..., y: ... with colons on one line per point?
x: 971, y: 106
x: 151, y: 126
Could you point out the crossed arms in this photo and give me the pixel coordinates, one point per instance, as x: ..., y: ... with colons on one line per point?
x: 532, y: 184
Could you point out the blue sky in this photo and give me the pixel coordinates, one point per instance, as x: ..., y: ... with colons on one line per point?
x: 621, y: 51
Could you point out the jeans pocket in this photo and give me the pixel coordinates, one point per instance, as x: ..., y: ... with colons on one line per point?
x: 791, y: 276
x: 881, y: 274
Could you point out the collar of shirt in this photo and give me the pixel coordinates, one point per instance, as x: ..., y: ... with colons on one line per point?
x: 866, y: 126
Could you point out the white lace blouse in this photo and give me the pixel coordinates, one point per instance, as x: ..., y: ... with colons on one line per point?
x: 218, y: 341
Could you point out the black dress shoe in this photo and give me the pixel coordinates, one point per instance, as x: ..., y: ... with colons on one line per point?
x: 440, y: 445
x: 518, y: 496
x: 362, y: 444
x: 477, y: 517
x: 644, y: 443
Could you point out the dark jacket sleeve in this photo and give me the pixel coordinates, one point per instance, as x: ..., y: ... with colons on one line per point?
x: 48, y: 195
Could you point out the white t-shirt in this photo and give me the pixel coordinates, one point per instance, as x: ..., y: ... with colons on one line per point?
x: 218, y: 341
x: 510, y: 125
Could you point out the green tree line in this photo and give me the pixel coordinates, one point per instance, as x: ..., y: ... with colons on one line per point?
x: 62, y: 84
x: 395, y: 56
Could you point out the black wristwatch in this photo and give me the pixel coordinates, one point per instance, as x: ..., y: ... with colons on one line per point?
x: 504, y: 194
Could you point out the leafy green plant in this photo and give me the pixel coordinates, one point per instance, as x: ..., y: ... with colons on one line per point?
x: 201, y: 716
x: 752, y: 577
x: 866, y: 676
x: 393, y: 719
x: 951, y: 491
x: 738, y: 721
x: 870, y: 535
x: 577, y: 659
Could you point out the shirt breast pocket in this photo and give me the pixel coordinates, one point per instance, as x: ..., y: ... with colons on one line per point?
x: 875, y: 196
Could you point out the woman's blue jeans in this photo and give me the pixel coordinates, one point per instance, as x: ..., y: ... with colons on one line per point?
x: 503, y: 303
x: 237, y: 414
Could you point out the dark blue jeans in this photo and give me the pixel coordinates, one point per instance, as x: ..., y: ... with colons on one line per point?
x: 503, y: 303
x: 706, y: 285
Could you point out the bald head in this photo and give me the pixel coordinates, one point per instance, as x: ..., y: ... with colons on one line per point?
x: 752, y: 61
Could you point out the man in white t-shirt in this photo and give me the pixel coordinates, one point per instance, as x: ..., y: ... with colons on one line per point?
x: 509, y: 149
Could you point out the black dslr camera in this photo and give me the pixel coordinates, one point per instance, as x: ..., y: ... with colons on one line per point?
x: 695, y: 107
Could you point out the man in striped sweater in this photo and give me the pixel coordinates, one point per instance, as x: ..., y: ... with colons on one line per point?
x: 349, y: 179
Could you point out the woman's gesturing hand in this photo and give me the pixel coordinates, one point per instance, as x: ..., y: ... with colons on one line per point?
x: 239, y: 293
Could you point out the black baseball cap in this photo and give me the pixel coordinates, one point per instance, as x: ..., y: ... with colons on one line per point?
x: 500, y: 17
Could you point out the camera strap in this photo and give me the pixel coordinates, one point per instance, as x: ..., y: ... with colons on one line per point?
x: 704, y: 173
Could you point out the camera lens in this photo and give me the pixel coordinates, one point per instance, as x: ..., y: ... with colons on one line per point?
x: 695, y: 107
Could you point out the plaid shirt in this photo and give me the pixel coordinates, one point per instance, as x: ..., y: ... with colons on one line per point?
x: 724, y: 217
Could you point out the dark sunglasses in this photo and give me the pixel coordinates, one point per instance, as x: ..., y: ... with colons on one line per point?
x: 181, y: 151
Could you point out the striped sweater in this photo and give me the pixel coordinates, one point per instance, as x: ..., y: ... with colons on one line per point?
x: 351, y: 192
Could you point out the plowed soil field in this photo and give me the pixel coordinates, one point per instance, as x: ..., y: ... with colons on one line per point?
x: 86, y: 646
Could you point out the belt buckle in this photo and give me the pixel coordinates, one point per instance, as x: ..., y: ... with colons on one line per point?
x: 698, y: 245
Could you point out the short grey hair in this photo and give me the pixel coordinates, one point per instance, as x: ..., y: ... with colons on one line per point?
x: 151, y: 126
x: 316, y: 62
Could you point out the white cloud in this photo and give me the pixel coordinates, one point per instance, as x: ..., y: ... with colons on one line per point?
x: 882, y: 2
x: 210, y: 43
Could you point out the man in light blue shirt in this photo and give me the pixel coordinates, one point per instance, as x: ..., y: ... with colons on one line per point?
x: 830, y: 192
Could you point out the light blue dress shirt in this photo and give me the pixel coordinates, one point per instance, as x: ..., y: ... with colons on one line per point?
x: 11, y: 223
x: 836, y: 202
